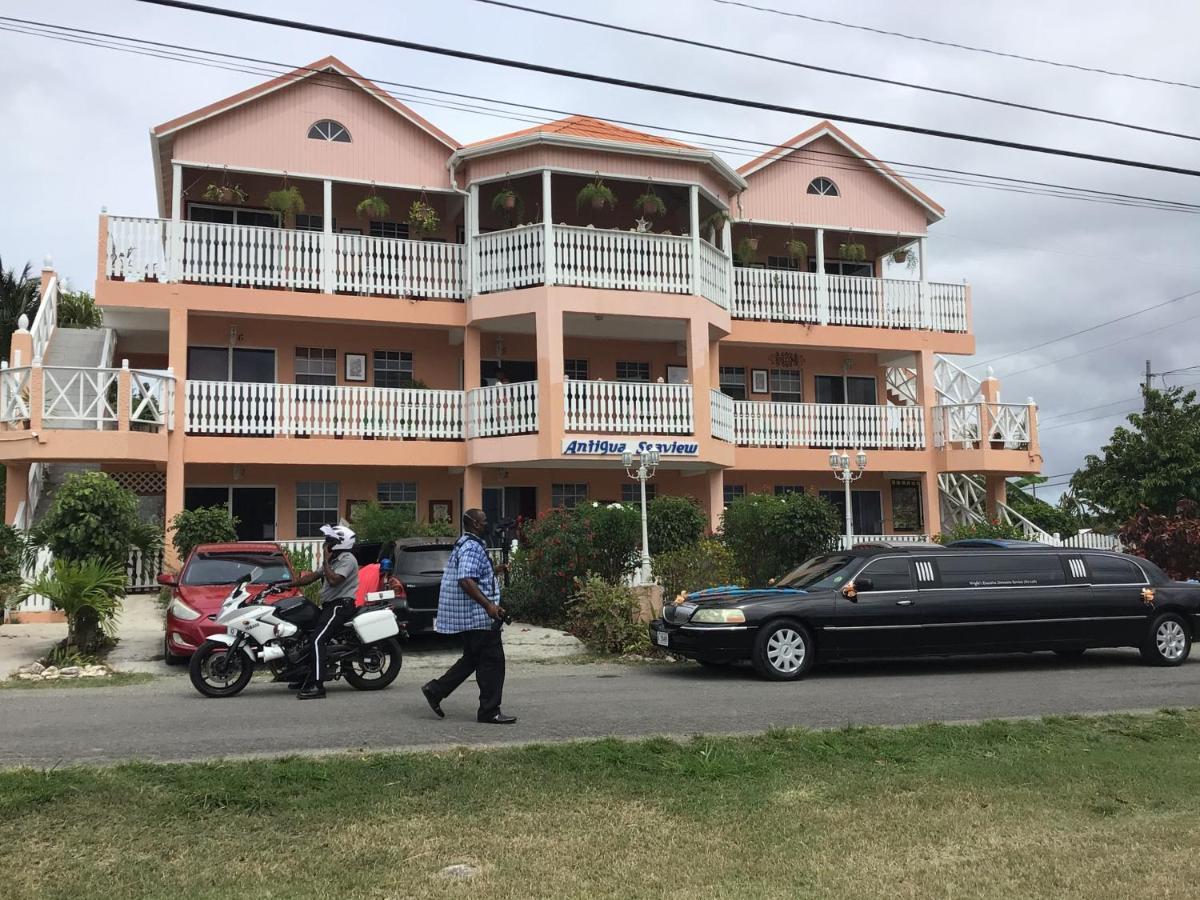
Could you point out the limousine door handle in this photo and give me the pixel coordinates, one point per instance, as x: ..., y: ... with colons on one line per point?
x: 904, y: 603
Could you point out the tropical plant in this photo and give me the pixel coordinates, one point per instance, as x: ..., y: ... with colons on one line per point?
x: 204, y: 525
x: 705, y: 564
x: 769, y: 535
x: 373, y: 207
x: 602, y: 615
x: 1170, y: 542
x: 852, y: 252
x: 1053, y: 519
x: 673, y: 523
x: 286, y: 201
x: 747, y: 250
x: 18, y: 297
x: 375, y: 522
x: 224, y: 193
x: 88, y: 591
x: 509, y: 203
x: 985, y: 529
x: 595, y: 194
x: 302, y: 560
x: 93, y: 517
x: 423, y: 219
x: 651, y: 204
x: 78, y: 309
x: 716, y: 221
x: 13, y: 553
x: 797, y: 249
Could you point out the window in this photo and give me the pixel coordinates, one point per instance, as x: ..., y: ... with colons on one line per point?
x: 823, y: 187
x: 1111, y: 570
x: 906, y: 506
x: 232, y: 215
x: 785, y: 385
x: 838, y: 267
x: 395, y: 230
x: 733, y: 382
x: 858, y: 389
x: 782, y: 490
x: 733, y: 491
x: 891, y: 574
x: 316, y: 505
x: 567, y: 496
x: 397, y: 493
x: 631, y: 493
x: 1000, y: 568
x: 576, y: 369
x: 316, y: 365
x: 633, y: 371
x: 309, y: 222
x: 866, y: 509
x: 393, y: 369
x: 783, y: 262
x: 329, y: 130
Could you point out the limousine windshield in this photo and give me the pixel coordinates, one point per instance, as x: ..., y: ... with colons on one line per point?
x: 821, y: 573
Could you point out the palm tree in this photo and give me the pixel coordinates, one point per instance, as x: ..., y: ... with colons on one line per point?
x: 89, y: 592
x: 18, y: 297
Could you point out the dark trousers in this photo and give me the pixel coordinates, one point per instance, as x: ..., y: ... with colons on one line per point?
x: 483, y: 654
x: 333, y: 615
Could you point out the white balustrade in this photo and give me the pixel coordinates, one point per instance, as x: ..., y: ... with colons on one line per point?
x: 851, y: 426
x: 623, y: 260
x: 372, y: 265
x: 137, y: 249
x: 258, y: 408
x: 1009, y: 424
x: 968, y: 424
x: 628, y: 407
x: 960, y: 424
x: 722, y: 416
x: 501, y: 409
x: 713, y: 268
x: 254, y: 256
x: 947, y: 306
x: 775, y: 295
x: 14, y: 394
x: 79, y: 398
x: 45, y: 320
x: 953, y: 383
x: 508, y: 259
x: 849, y: 541
x: 150, y: 396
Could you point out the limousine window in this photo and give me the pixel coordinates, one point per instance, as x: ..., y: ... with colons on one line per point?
x: 821, y: 573
x: 999, y: 569
x: 1112, y: 570
x: 889, y: 574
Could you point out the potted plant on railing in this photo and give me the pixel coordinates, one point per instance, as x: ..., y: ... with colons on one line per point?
x: 423, y: 219
x: 596, y: 194
x: 287, y: 202
x: 508, y: 203
x: 850, y: 251
x: 651, y: 204
x: 373, y: 207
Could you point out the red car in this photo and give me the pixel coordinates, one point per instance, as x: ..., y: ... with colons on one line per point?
x: 207, y: 577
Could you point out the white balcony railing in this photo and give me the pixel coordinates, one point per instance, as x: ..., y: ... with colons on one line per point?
x: 14, y: 393
x: 850, y: 426
x: 258, y: 408
x: 509, y: 259
x: 502, y: 409
x: 79, y: 398
x: 254, y: 256
x: 969, y: 425
x: 625, y: 260
x: 631, y: 407
x: 722, y: 416
x: 395, y: 268
x: 713, y: 274
x: 74, y: 397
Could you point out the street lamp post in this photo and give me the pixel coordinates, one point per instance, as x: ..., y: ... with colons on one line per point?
x: 840, y: 463
x: 647, y: 462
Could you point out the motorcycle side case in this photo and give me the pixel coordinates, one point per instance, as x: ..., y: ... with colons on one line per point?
x: 375, y: 625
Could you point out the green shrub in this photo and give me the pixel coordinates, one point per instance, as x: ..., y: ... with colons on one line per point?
x: 373, y: 522
x: 770, y: 535
x: 993, y: 529
x: 601, y: 615
x: 705, y: 564
x: 93, y: 517
x: 88, y: 592
x: 673, y: 523
x: 205, y: 525
x: 303, y: 560
x: 13, y: 551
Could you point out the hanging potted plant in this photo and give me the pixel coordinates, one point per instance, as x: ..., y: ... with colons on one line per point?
x: 286, y: 201
x: 651, y: 204
x: 905, y: 256
x: 373, y: 206
x: 508, y: 203
x: 423, y: 219
x: 224, y: 193
x: 797, y: 249
x: 716, y: 221
x: 748, y: 250
x: 597, y: 194
x: 850, y: 251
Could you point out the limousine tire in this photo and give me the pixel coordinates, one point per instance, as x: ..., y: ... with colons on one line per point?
x: 783, y: 651
x: 1168, y: 641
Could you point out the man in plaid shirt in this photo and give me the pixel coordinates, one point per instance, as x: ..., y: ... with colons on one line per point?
x: 469, y: 605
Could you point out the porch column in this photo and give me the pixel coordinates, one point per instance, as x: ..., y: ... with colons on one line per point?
x: 997, y: 495
x: 547, y: 228
x: 727, y: 246
x: 177, y: 342
x: 472, y: 489
x: 16, y: 490
x: 175, y: 236
x: 931, y: 503
x: 328, y: 276
x: 822, y: 280
x: 716, y: 500
x: 926, y: 397
x: 699, y: 362
x: 472, y: 234
x: 471, y: 356
x: 989, y: 396
x: 694, y: 233
x: 549, y: 328
x: 924, y: 318
x: 124, y: 396
x: 468, y: 230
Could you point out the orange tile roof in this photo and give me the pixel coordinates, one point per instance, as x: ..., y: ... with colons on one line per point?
x: 593, y: 129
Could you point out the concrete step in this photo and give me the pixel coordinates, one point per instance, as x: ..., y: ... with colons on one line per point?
x: 77, y: 347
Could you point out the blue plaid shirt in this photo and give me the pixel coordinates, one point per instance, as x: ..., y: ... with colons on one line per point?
x: 456, y: 611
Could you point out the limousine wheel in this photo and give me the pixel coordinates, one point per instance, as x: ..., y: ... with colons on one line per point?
x: 783, y: 651
x: 1168, y: 642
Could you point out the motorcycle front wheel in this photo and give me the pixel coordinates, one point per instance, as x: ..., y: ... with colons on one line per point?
x: 215, y: 673
x: 376, y: 667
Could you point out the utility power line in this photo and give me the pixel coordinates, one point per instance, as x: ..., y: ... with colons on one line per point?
x: 959, y: 46
x: 747, y: 54
x: 941, y: 175
x: 634, y: 84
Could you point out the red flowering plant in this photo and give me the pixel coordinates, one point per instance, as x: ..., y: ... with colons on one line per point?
x: 1170, y: 542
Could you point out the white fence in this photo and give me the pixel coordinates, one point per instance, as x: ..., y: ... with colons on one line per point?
x: 847, y: 541
x: 141, y: 570
x: 502, y: 409
x: 851, y: 426
x: 256, y: 408
x: 722, y: 416
x: 628, y: 407
x: 971, y: 424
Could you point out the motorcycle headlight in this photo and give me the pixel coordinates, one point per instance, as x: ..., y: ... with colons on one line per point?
x: 719, y: 616
x: 181, y: 610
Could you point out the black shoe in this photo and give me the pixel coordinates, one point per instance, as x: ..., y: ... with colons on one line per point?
x: 434, y: 703
x: 312, y: 693
x: 498, y: 718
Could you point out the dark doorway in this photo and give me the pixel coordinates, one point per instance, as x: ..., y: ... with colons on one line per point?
x: 254, y: 507
x: 866, y: 508
x: 513, y: 369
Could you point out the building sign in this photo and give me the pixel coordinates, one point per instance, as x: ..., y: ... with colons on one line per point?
x: 615, y: 446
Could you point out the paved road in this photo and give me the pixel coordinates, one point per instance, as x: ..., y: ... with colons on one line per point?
x: 167, y: 720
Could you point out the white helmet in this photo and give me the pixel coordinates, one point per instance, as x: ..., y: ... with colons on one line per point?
x: 341, y: 535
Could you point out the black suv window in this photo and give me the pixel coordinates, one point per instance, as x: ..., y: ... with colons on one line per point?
x: 1112, y: 570
x: 1000, y: 568
x: 422, y: 560
x: 891, y: 574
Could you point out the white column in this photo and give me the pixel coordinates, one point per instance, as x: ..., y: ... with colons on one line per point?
x: 472, y: 230
x: 328, y: 257
x: 175, y: 237
x: 822, y: 281
x: 922, y: 287
x: 468, y: 230
x: 727, y: 246
x: 694, y: 231
x: 548, y: 227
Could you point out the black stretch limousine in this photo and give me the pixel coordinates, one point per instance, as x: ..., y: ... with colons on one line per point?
x: 924, y: 599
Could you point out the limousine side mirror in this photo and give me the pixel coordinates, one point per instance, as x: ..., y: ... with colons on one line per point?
x: 864, y: 584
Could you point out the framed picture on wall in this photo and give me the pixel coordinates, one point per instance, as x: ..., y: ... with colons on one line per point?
x: 677, y: 375
x: 758, y: 381
x: 439, y: 510
x: 356, y: 367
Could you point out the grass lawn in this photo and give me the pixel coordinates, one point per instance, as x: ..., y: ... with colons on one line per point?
x: 1062, y: 808
x: 116, y: 679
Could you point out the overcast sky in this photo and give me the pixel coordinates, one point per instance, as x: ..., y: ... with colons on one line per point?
x: 1040, y: 267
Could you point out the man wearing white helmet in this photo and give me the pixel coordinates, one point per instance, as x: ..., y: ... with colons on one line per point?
x: 339, y: 574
